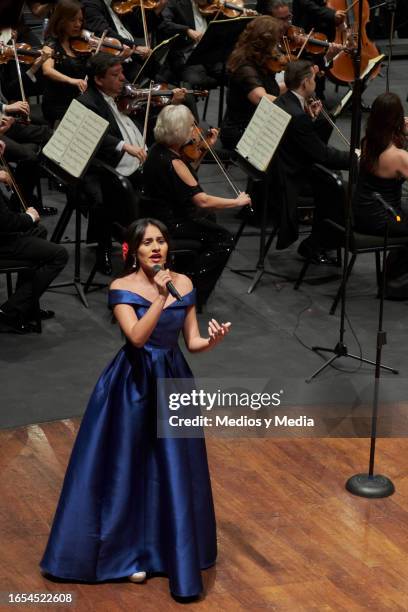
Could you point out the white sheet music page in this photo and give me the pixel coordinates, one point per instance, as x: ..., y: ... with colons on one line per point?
x: 76, y: 138
x: 263, y: 134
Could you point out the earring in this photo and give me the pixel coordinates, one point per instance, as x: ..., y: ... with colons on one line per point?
x: 134, y: 266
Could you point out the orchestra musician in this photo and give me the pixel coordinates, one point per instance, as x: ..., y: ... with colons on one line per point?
x: 179, y: 201
x: 65, y: 73
x: 122, y: 148
x: 309, y: 14
x: 183, y: 17
x: 23, y: 238
x: 100, y: 18
x: 300, y: 148
x: 250, y: 77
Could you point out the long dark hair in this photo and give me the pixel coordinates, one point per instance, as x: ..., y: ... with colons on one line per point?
x: 63, y: 12
x: 255, y: 43
x: 385, y: 126
x: 134, y: 237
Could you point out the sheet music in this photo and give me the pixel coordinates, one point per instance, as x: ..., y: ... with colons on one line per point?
x: 263, y: 134
x: 372, y: 63
x: 75, y: 139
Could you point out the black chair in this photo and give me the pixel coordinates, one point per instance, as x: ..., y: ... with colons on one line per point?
x: 333, y: 189
x: 10, y: 267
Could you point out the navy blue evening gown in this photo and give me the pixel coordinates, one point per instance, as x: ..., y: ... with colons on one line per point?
x: 131, y: 501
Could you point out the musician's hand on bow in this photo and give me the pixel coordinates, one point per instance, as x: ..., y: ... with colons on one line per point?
x: 82, y: 84
x: 217, y: 332
x: 144, y: 52
x: 179, y: 95
x: 5, y: 177
x: 243, y: 199
x: 34, y: 213
x: 135, y: 151
x: 313, y: 108
x: 339, y: 17
x: 18, y: 107
x: 194, y: 35
x: 5, y: 125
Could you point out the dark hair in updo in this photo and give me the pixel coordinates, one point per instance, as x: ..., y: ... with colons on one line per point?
x: 134, y: 237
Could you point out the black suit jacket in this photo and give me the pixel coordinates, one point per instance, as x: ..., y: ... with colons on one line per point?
x: 315, y: 14
x: 177, y: 18
x: 11, y: 222
x: 98, y: 19
x: 299, y: 149
x: 107, y: 151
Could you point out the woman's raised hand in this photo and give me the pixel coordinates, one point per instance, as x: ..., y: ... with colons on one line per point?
x: 217, y: 332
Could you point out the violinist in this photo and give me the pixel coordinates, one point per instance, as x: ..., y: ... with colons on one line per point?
x: 250, y: 77
x: 122, y: 147
x: 173, y: 195
x: 23, y: 238
x: 101, y: 18
x: 65, y: 73
x: 183, y: 17
x: 300, y: 148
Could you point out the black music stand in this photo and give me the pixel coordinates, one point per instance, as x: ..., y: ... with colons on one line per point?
x: 216, y: 45
x: 157, y: 58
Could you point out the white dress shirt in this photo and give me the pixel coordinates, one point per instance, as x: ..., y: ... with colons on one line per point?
x: 131, y: 135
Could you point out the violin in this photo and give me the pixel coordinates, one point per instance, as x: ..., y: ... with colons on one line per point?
x: 25, y: 53
x: 196, y: 148
x: 123, y: 7
x: 87, y: 43
x: 133, y: 99
x: 316, y: 44
x: 231, y: 9
x: 278, y: 61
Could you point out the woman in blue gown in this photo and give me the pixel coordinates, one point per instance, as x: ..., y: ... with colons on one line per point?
x: 133, y: 503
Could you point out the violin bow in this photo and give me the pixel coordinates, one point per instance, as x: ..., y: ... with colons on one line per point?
x: 13, y: 182
x: 331, y: 122
x: 20, y: 80
x: 304, y: 43
x: 220, y: 165
x: 145, y: 32
x: 100, y: 43
x: 147, y: 113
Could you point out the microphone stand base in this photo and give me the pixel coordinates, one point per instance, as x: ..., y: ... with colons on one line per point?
x: 375, y: 486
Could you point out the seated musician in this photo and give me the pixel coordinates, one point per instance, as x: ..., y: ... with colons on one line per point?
x: 183, y: 17
x: 122, y: 147
x: 250, y: 77
x: 308, y: 14
x: 65, y: 72
x: 173, y: 195
x: 100, y: 18
x: 22, y: 238
x: 300, y: 148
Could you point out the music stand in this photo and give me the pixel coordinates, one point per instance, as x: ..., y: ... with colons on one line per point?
x: 156, y: 58
x: 215, y: 46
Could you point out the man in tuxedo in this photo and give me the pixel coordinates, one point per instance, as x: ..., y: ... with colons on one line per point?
x: 122, y: 148
x: 183, y: 17
x: 300, y: 148
x: 22, y: 238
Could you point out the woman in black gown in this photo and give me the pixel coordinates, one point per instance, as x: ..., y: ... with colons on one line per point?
x: 65, y: 72
x: 173, y: 195
x: 383, y: 169
x: 249, y: 77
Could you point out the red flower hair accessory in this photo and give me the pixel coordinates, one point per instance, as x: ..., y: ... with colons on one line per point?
x: 125, y: 250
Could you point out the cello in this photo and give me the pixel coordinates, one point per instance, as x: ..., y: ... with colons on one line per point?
x: 342, y: 69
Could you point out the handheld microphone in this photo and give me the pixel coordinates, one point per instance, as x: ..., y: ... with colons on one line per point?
x: 172, y: 290
x: 390, y: 209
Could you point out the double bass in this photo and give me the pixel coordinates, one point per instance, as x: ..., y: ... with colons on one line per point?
x: 342, y: 69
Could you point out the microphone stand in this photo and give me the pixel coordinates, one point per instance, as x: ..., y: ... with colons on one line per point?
x: 375, y: 485
x: 341, y: 350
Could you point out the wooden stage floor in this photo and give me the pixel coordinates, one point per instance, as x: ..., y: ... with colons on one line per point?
x: 290, y: 536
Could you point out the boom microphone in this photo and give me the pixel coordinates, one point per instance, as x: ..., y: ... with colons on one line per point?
x: 172, y: 290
